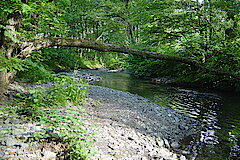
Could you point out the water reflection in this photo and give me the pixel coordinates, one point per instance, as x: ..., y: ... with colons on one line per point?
x: 218, y: 114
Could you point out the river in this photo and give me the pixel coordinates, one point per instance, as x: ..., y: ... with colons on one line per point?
x: 217, y: 112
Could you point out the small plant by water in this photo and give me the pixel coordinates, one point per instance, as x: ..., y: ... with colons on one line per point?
x: 56, y: 108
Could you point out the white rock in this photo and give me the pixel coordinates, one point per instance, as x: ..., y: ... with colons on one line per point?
x: 182, y: 157
x: 175, y: 145
x: 166, y: 143
x: 160, y: 142
x: 49, y: 155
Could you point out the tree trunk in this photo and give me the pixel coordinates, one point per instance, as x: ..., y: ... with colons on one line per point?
x: 9, y: 47
x: 5, y: 80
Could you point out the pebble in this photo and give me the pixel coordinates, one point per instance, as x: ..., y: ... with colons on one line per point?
x: 183, y: 158
x: 160, y: 142
x: 185, y: 152
x: 166, y: 143
x: 2, y: 154
x: 18, y: 143
x: 175, y: 145
x: 49, y: 155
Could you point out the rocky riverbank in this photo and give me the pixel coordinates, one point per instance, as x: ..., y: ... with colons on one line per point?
x: 132, y: 127
x: 127, y: 126
x: 17, y: 140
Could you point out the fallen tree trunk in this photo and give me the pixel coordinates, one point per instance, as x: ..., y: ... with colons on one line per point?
x: 37, y: 44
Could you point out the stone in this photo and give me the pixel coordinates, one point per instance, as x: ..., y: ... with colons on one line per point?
x: 15, y: 121
x: 17, y: 146
x: 30, y: 156
x: 130, y: 138
x: 49, y: 155
x: 2, y: 154
x: 165, y: 153
x: 183, y: 157
x: 166, y: 143
x: 185, y: 152
x: 160, y: 142
x: 175, y: 145
x: 17, y: 132
x: 11, y: 153
x: 10, y: 141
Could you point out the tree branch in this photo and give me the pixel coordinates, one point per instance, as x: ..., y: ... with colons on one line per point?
x: 37, y: 44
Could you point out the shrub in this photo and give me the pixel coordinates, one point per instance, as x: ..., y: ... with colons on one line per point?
x: 34, y: 72
x: 61, y: 121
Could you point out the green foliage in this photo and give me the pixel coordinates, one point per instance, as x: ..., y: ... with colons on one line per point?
x: 10, y: 64
x: 30, y: 105
x: 65, y: 125
x: 34, y: 72
x: 64, y: 58
x: 91, y: 20
x: 72, y: 58
x: 143, y: 67
x: 207, y: 32
x: 61, y: 120
x: 182, y: 73
x: 61, y: 91
x: 65, y: 89
x: 116, y: 63
x: 97, y: 20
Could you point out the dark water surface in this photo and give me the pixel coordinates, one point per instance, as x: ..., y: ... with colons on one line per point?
x: 218, y: 113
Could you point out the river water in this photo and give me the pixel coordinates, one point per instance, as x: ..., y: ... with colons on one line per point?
x: 218, y: 113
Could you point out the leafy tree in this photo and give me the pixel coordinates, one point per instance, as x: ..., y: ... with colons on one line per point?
x: 207, y: 32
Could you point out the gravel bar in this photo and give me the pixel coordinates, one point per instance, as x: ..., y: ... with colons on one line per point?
x: 131, y: 127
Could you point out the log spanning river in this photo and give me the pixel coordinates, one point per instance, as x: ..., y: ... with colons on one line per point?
x: 218, y: 113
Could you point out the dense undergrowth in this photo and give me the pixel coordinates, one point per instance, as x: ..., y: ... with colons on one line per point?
x: 183, y: 74
x: 74, y: 58
x: 56, y: 107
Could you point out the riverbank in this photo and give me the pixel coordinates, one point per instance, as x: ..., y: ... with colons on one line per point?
x: 127, y: 126
x: 132, y: 127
